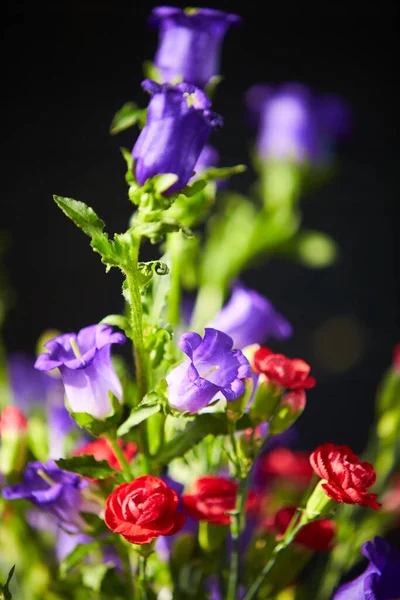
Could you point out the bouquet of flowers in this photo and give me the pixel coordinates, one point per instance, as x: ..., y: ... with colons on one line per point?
x: 173, y: 475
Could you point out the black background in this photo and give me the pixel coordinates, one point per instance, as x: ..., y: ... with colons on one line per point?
x: 69, y: 66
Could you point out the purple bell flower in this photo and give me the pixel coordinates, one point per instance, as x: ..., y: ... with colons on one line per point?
x: 249, y: 318
x: 294, y: 124
x: 88, y: 378
x: 56, y: 492
x: 179, y: 122
x: 381, y: 578
x: 190, y: 42
x: 212, y: 369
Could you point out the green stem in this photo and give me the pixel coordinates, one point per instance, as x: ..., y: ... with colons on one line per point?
x: 174, y: 299
x: 142, y: 576
x: 136, y: 323
x: 126, y: 469
x: 236, y: 527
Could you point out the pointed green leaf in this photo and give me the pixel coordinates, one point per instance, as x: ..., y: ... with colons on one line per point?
x: 5, y: 593
x: 117, y: 321
x: 162, y: 182
x: 138, y: 415
x: 76, y: 556
x: 126, y: 117
x: 223, y: 172
x: 87, y: 466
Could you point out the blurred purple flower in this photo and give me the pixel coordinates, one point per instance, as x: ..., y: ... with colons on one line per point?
x: 190, y: 42
x: 56, y: 492
x: 28, y: 387
x: 179, y: 122
x: 381, y: 578
x: 249, y: 318
x: 295, y: 124
x: 88, y: 378
x: 212, y: 368
x: 209, y: 157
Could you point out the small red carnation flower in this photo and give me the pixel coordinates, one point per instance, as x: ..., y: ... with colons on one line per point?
x: 346, y: 478
x: 143, y: 510
x: 290, y: 373
x: 283, y: 462
x: 101, y: 449
x: 210, y: 500
x: 12, y: 419
x: 317, y: 535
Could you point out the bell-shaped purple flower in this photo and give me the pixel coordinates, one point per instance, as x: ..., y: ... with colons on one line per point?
x: 294, y: 124
x: 212, y: 369
x: 58, y: 493
x: 190, y: 42
x: 249, y: 318
x: 85, y: 365
x: 381, y: 578
x: 179, y: 122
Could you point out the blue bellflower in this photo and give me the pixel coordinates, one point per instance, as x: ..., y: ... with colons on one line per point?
x: 381, y: 578
x: 58, y: 493
x: 179, y: 122
x: 294, y: 124
x: 249, y: 318
x: 89, y: 378
x: 190, y: 42
x: 211, y: 369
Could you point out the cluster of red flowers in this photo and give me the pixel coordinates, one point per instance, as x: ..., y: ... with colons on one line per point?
x: 289, y: 373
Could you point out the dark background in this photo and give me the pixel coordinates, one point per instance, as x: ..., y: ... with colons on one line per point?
x: 69, y: 66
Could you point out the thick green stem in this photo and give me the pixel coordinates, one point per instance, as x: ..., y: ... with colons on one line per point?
x: 136, y: 324
x: 126, y: 469
x: 174, y: 299
x: 236, y: 529
x: 142, y: 576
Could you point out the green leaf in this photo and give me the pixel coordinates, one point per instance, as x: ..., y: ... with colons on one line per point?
x: 161, y: 183
x: 195, y: 432
x: 117, y: 321
x: 127, y: 116
x: 196, y: 187
x: 76, y: 556
x: 93, y: 575
x: 5, y: 593
x: 87, y: 466
x: 138, y: 415
x: 223, y: 172
x: 96, y: 426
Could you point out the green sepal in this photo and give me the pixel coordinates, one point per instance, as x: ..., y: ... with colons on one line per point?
x: 266, y: 402
x: 5, y: 593
x: 96, y: 426
x: 212, y: 85
x: 195, y: 188
x: 156, y: 230
x: 127, y: 116
x: 215, y: 173
x: 150, y: 71
x: 117, y: 321
x: 87, y: 466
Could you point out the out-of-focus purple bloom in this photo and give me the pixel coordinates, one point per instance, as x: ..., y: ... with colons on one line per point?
x: 212, y: 369
x: 179, y: 122
x: 249, y: 318
x: 190, y: 42
x: 209, y: 157
x: 67, y: 542
x: 29, y: 388
x: 214, y: 590
x: 295, y: 124
x: 381, y: 578
x: 54, y: 491
x: 88, y: 378
x: 60, y: 425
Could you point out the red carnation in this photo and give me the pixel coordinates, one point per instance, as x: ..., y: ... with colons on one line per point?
x: 101, y: 449
x: 142, y: 510
x: 13, y: 419
x: 283, y: 462
x: 346, y: 478
x: 317, y: 535
x: 210, y: 500
x: 290, y: 373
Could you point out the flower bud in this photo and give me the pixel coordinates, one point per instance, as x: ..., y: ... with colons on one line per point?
x: 13, y: 432
x: 291, y: 406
